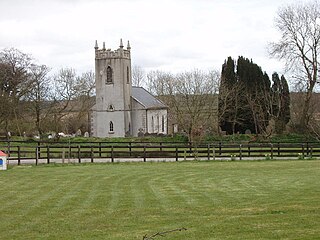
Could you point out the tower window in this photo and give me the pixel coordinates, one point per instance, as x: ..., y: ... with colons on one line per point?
x: 109, y: 75
x: 111, y: 126
x: 128, y: 75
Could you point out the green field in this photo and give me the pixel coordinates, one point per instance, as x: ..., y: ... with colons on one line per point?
x: 212, y: 200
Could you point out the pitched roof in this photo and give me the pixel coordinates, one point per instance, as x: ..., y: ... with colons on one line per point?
x: 146, y: 99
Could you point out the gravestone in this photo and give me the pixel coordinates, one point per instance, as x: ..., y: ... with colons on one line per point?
x: 78, y: 133
x: 140, y: 133
x: 248, y: 131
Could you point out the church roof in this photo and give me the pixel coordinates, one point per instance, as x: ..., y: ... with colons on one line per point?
x: 146, y: 99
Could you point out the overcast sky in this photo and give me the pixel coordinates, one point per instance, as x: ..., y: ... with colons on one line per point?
x: 169, y: 35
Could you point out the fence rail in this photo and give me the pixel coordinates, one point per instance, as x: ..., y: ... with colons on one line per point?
x: 22, y: 152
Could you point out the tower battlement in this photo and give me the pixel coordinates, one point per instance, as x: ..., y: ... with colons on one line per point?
x: 108, y: 53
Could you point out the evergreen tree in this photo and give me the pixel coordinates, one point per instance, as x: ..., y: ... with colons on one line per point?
x: 227, y: 103
x: 285, y: 111
x: 250, y: 102
x: 256, y: 95
x: 280, y: 102
x: 228, y: 74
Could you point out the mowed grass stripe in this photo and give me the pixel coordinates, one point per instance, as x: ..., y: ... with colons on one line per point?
x: 158, y: 185
x: 56, y: 203
x: 167, y: 193
x: 213, y: 200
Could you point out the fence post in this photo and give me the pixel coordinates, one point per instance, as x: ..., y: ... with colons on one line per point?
x: 144, y: 153
x: 308, y: 149
x: 214, y: 152
x: 91, y: 153
x: 79, y: 150
x: 63, y: 155
x: 220, y: 148
x: 37, y: 154
x: 8, y: 148
x: 100, y: 149
x: 112, y: 160
x: 185, y: 155
x: 69, y: 155
x: 130, y: 146
x: 48, y: 154
x: 160, y: 146
x: 278, y: 149
x: 240, y: 151
x: 271, y: 150
x: 176, y: 154
x: 19, y: 158
x: 208, y: 151
x: 249, y: 151
x: 303, y: 153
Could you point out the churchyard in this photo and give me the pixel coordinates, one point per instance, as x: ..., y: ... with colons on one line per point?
x: 205, y: 200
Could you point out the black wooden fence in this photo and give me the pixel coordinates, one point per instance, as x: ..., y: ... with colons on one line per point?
x: 48, y: 152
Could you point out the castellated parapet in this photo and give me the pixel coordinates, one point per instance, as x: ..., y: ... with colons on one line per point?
x: 108, y: 53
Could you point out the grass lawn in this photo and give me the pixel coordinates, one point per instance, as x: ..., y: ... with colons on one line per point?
x: 212, y: 200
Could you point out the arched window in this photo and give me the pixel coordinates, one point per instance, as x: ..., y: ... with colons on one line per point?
x: 111, y: 126
x: 158, y: 124
x: 152, y: 124
x: 109, y: 75
x: 162, y: 123
x: 128, y: 75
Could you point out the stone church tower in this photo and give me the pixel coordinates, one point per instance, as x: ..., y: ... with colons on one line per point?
x: 111, y: 116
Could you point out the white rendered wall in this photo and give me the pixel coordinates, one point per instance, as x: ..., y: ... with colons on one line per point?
x: 139, y: 118
x: 154, y: 121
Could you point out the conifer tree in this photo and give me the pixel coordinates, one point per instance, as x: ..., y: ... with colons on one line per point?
x: 285, y: 111
x: 280, y: 102
x: 228, y: 97
x: 249, y: 102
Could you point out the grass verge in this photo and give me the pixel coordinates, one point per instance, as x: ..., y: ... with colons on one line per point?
x: 212, y: 200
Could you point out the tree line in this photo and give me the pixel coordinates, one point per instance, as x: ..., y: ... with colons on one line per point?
x: 34, y: 101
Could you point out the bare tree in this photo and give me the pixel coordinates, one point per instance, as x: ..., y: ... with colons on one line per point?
x: 160, y: 83
x: 194, y: 102
x: 15, y: 83
x: 138, y: 76
x: 39, y: 95
x: 299, y: 25
x: 85, y: 89
x: 191, y: 97
x: 314, y: 124
x: 65, y: 90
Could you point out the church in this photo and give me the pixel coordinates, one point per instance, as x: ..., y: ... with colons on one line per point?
x: 122, y: 109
